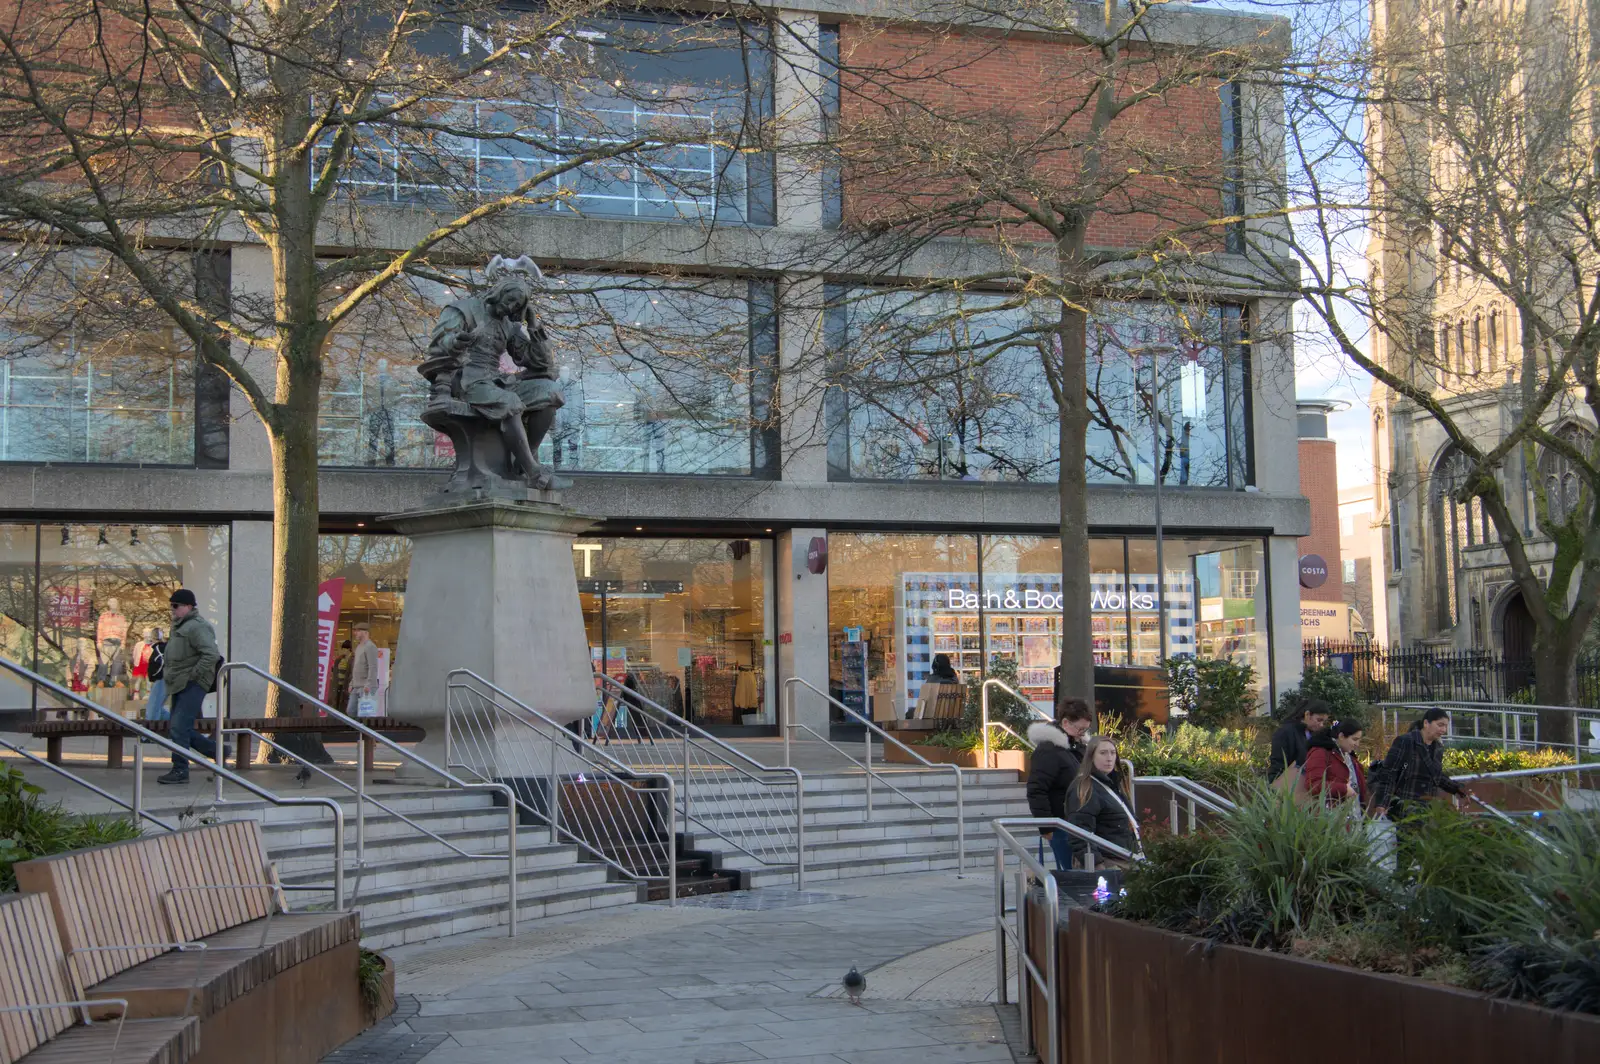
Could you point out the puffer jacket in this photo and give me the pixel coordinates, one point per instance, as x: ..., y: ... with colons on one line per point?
x: 192, y: 655
x: 1104, y: 814
x: 1056, y: 756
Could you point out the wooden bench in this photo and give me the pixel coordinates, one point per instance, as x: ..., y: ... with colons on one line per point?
x: 54, y: 731
x: 268, y: 986
x: 42, y: 1020
x: 938, y: 706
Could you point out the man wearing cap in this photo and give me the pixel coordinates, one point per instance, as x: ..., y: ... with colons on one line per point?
x: 363, y: 667
x: 191, y: 667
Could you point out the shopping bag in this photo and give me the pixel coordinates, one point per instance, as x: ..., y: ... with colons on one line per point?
x: 1381, y: 843
x: 367, y: 706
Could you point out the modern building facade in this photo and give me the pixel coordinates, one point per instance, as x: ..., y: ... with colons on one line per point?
x: 845, y: 542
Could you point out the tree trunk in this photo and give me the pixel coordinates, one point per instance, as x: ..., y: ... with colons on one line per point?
x: 1555, y: 660
x: 1077, y: 638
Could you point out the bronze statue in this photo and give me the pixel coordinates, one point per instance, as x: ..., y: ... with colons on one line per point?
x: 495, y: 420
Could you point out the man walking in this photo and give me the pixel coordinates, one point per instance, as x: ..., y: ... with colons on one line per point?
x: 191, y: 667
x: 363, y: 668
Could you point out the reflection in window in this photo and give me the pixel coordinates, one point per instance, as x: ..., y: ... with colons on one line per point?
x: 701, y: 85
x: 659, y: 377
x: 948, y: 386
x: 90, y: 370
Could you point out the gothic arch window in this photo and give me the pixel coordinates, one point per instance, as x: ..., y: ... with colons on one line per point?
x: 1456, y: 525
x: 1563, y: 486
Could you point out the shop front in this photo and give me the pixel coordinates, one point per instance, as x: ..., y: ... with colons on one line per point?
x: 992, y: 605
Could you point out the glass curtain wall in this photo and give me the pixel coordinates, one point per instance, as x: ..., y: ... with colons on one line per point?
x: 992, y: 604
x: 81, y: 598
x: 687, y: 622
x: 661, y: 377
x: 368, y: 574
x: 952, y: 387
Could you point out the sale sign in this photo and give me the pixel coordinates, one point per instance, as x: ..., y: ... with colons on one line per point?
x: 330, y: 596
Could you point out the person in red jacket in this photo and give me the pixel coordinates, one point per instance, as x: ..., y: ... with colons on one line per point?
x: 1332, y: 769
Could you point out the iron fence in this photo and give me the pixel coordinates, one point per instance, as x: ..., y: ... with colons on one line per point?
x: 1429, y: 674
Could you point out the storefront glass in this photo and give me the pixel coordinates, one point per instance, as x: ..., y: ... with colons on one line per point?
x: 80, y: 598
x: 661, y: 377
x: 689, y: 622
x: 365, y: 577
x: 914, y: 596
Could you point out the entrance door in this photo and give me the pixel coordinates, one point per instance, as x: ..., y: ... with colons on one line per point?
x: 1516, y: 631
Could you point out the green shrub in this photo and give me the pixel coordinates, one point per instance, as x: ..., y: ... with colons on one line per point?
x: 1336, y: 688
x: 1451, y: 878
x: 1467, y: 759
x: 1213, y: 692
x: 1174, y: 886
x: 968, y: 739
x: 1224, y: 759
x: 1009, y: 710
x: 29, y: 828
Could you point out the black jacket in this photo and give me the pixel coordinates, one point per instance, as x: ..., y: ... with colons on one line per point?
x: 1411, y: 771
x: 1103, y: 814
x: 1056, y: 757
x: 1290, y: 746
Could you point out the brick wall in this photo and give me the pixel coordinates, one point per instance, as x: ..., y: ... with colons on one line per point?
x: 1319, y: 482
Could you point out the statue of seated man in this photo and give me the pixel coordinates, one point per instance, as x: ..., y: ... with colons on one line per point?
x: 464, y: 364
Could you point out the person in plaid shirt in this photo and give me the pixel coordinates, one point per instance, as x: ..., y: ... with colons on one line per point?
x: 1413, y: 770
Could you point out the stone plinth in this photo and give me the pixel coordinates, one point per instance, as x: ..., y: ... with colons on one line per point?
x: 491, y: 589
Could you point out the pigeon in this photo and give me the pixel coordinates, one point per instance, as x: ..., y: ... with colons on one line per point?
x: 855, y: 984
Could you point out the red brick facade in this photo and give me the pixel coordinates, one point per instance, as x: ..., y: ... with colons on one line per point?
x: 1319, y: 483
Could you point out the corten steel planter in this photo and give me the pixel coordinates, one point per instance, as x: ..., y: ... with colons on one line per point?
x: 1016, y: 760
x: 1133, y: 994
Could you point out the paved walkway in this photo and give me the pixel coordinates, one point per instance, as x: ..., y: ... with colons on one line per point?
x: 726, y: 979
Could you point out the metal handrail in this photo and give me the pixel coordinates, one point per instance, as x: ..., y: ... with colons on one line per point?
x: 1196, y: 793
x: 141, y: 814
x: 620, y: 771
x: 1028, y: 868
x: 221, y: 770
x: 633, y: 697
x: 986, y: 723
x: 788, y: 725
x: 228, y: 668
x: 1506, y: 711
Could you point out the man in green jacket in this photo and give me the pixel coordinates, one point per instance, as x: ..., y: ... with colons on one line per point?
x: 191, y: 666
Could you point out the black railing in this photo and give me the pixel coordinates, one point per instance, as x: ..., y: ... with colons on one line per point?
x: 1419, y: 673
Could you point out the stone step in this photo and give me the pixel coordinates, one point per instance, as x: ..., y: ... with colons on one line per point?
x: 486, y: 884
x: 822, y: 871
x: 382, y: 826
x: 421, y: 924
x: 438, y: 868
x: 291, y: 859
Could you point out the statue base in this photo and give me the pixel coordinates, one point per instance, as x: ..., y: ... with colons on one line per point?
x: 491, y: 589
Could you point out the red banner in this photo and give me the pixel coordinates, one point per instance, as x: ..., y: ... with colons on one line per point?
x: 330, y: 596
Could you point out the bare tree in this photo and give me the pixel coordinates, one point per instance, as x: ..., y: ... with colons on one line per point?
x: 1020, y: 176
x: 1460, y: 139
x: 147, y: 134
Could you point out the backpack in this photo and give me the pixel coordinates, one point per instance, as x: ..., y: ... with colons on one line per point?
x: 155, y: 663
x: 216, y: 675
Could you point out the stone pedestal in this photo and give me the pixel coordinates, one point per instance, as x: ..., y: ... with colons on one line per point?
x: 491, y: 589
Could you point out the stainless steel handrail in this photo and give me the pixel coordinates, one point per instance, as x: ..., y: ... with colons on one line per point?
x: 635, y: 700
x: 1507, y: 712
x: 228, y: 668
x: 788, y: 724
x: 1196, y: 794
x: 618, y: 769
x: 986, y: 723
x: 140, y: 814
x: 222, y: 771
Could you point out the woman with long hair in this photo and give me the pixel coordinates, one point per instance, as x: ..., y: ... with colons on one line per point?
x: 1100, y: 801
x: 1332, y: 770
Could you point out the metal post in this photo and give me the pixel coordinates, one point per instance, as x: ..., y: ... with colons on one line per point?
x: 866, y: 735
x: 983, y: 707
x: 222, y: 754
x: 449, y: 704
x: 1177, y: 825
x: 138, y: 784
x: 1024, y: 983
x: 1193, y: 814
x: 786, y: 711
x: 1052, y: 978
x: 1000, y: 919
x: 672, y: 843
x: 961, y: 826
x: 338, y: 857
x: 685, y: 781
x: 800, y: 832
x: 511, y: 859
x: 361, y: 801
x: 1161, y: 562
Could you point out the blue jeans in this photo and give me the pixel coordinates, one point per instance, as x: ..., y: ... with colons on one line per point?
x: 1061, y: 846
x: 155, y: 708
x: 186, y: 707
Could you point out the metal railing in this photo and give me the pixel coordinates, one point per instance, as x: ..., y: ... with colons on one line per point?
x: 139, y: 813
x: 1512, y: 725
x: 222, y: 772
x: 405, y: 755
x: 986, y: 724
x: 1030, y: 870
x: 723, y: 790
x: 1196, y: 795
x: 581, y: 792
x: 788, y: 725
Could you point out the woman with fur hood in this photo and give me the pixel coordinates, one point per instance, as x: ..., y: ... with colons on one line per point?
x: 1057, y: 753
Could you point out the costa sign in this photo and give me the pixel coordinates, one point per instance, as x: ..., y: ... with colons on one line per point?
x: 1313, y: 571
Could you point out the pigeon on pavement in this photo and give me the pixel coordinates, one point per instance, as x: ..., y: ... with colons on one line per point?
x: 855, y: 984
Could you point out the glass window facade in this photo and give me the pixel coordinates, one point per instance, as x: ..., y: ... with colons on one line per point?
x: 952, y: 386
x: 369, y: 572
x: 690, y: 620
x: 701, y: 84
x: 979, y: 599
x: 78, y: 599
x: 661, y: 377
x: 90, y: 370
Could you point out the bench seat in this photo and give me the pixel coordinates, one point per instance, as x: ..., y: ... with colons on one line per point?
x: 330, y: 728
x: 166, y: 1041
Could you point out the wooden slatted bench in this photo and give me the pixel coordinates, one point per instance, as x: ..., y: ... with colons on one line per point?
x: 938, y: 706
x: 268, y: 986
x: 54, y: 731
x: 39, y: 1012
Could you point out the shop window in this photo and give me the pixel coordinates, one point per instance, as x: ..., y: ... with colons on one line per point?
x: 661, y: 377
x: 688, y: 622
x: 365, y: 578
x: 80, y: 598
x: 951, y: 387
x: 90, y: 369
x: 705, y: 83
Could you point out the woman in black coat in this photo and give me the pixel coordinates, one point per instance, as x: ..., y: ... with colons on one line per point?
x: 1101, y: 802
x: 1292, y: 742
x: 1057, y: 749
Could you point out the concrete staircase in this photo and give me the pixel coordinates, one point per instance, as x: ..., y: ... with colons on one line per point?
x: 841, y: 841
